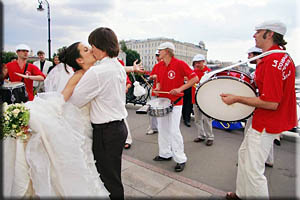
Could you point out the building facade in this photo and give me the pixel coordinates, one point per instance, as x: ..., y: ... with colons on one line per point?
x: 183, y: 50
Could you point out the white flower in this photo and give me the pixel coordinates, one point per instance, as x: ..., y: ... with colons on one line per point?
x: 16, y: 112
x: 14, y: 126
x: 4, y: 106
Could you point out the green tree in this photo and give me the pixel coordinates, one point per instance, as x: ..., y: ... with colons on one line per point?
x: 8, y: 56
x: 131, y: 55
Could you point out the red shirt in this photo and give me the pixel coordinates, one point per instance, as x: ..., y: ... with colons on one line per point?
x: 172, y: 76
x: 32, y: 70
x: 275, y: 79
x: 200, y: 73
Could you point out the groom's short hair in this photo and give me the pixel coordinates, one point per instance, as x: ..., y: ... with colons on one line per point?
x: 106, y: 40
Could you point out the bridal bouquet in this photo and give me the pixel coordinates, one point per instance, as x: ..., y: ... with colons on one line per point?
x: 14, y: 121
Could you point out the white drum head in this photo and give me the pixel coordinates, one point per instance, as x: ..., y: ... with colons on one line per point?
x: 160, y: 103
x: 13, y: 84
x: 210, y: 103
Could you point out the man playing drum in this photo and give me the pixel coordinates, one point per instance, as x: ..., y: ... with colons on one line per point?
x: 275, y: 111
x: 171, y: 79
x: 17, y: 71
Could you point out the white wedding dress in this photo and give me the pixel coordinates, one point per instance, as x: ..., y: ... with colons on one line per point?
x: 57, y: 160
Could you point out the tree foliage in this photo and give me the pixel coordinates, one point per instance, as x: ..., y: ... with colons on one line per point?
x: 8, y: 56
x: 131, y: 55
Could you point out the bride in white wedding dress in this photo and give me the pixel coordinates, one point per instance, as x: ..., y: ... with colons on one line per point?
x: 57, y: 160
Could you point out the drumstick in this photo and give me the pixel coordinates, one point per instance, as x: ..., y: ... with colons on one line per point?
x: 164, y: 92
x: 146, y: 81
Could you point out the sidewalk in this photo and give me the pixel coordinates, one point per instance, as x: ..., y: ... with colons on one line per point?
x: 142, y: 180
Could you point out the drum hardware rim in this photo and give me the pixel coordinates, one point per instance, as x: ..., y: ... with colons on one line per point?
x: 231, y: 77
x: 224, y: 77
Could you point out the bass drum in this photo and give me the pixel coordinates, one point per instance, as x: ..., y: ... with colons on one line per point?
x: 235, y: 82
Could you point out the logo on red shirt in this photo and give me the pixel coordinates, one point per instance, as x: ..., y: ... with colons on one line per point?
x: 171, y: 74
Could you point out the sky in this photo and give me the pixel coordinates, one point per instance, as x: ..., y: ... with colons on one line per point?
x: 225, y: 26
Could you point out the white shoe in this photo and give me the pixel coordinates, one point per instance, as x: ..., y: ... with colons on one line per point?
x: 151, y: 132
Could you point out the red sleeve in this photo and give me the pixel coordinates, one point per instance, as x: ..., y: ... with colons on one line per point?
x: 128, y: 81
x: 35, y: 71
x: 121, y: 61
x: 154, y: 70
x: 272, y: 84
x: 187, y: 71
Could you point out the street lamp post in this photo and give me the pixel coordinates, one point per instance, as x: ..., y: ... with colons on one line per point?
x: 40, y: 8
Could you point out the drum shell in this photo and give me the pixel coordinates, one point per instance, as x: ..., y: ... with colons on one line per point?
x: 160, y: 107
x: 14, y: 94
x: 159, y: 112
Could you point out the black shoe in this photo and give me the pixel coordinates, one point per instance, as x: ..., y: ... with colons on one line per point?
x: 209, y: 142
x: 277, y: 142
x: 188, y: 124
x: 269, y: 165
x: 158, y: 158
x: 179, y: 167
x: 199, y: 140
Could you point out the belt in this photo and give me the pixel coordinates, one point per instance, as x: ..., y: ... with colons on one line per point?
x: 108, y: 123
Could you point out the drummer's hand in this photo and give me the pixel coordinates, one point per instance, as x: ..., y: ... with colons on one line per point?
x: 155, y: 91
x: 22, y: 75
x: 6, y: 81
x: 228, y: 98
x: 175, y: 91
x: 138, y: 67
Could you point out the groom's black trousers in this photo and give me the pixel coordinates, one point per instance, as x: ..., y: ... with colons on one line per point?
x: 108, y: 143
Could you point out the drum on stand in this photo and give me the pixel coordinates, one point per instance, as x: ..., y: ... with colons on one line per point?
x: 209, y: 101
x: 14, y: 92
x: 159, y: 107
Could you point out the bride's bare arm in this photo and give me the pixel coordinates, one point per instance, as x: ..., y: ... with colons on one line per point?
x: 68, y: 90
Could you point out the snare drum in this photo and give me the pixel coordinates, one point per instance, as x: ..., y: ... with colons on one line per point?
x: 234, y: 82
x: 13, y: 92
x: 160, y: 107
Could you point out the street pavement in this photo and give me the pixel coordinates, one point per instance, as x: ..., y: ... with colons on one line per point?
x: 210, y: 171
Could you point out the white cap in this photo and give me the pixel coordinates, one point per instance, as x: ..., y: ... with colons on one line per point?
x: 198, y: 57
x: 157, y: 52
x: 22, y: 47
x: 166, y: 45
x: 275, y: 26
x: 254, y: 50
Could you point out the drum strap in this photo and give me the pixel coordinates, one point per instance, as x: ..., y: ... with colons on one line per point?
x: 25, y: 71
x: 177, y: 100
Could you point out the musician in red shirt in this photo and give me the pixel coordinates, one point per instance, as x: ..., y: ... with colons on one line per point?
x: 170, y: 79
x: 15, y: 70
x: 275, y: 110
x: 203, y: 123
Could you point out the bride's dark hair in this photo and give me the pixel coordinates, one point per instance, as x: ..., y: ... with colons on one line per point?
x: 69, y: 55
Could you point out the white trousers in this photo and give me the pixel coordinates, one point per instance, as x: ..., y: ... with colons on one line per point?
x: 203, y: 124
x: 253, y: 153
x: 129, y: 138
x: 270, y: 159
x: 170, y: 141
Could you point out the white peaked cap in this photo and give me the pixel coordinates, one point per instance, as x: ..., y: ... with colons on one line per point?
x: 254, y: 50
x: 273, y: 25
x: 198, y: 57
x: 22, y: 47
x: 166, y: 45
